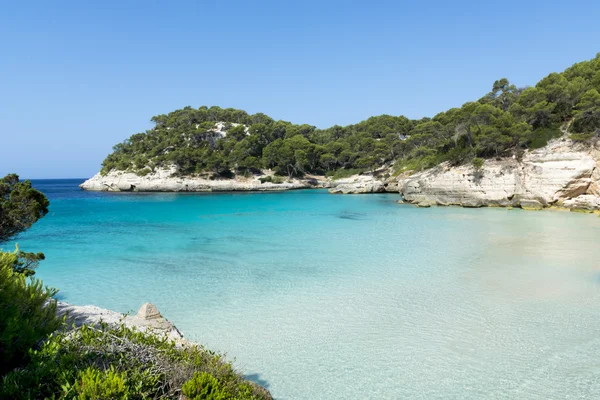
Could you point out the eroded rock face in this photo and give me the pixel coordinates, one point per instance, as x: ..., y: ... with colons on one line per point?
x: 562, y: 174
x: 164, y: 180
x: 358, y: 184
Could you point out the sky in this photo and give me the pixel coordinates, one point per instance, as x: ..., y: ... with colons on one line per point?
x: 77, y: 77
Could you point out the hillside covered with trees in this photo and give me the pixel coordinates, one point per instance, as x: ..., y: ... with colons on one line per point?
x: 504, y: 122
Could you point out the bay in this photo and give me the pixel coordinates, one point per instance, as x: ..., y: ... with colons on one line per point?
x: 320, y: 296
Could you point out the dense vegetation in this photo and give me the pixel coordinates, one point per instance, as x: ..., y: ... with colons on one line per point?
x: 20, y: 206
x: 42, y: 357
x: 24, y: 316
x: 121, y: 363
x: 504, y: 122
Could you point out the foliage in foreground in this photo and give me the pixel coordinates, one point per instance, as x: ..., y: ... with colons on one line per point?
x: 20, y: 206
x: 27, y: 313
x: 504, y: 122
x: 119, y: 362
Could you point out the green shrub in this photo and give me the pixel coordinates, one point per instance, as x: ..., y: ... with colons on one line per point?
x: 204, y: 386
x: 344, y: 173
x: 143, y: 172
x: 20, y: 206
x: 273, y: 179
x: 95, y: 384
x: 540, y: 137
x: 143, y: 366
x: 582, y: 137
x: 27, y: 313
x: 477, y: 163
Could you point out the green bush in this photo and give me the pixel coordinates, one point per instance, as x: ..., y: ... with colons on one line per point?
x: 477, y: 163
x: 273, y: 179
x: 95, y: 384
x: 540, y: 137
x: 344, y: 173
x: 204, y: 386
x: 27, y: 313
x: 140, y: 365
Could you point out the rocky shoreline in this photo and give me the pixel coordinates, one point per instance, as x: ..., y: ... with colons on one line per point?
x: 148, y: 319
x: 563, y: 174
x: 164, y: 180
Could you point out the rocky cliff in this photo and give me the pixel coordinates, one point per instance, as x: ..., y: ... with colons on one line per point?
x: 562, y: 174
x: 164, y: 180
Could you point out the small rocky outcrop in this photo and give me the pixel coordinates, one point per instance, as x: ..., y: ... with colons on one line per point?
x: 357, y: 184
x: 562, y: 174
x: 148, y: 318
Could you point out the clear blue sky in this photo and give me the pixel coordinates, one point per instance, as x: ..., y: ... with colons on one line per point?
x: 77, y: 77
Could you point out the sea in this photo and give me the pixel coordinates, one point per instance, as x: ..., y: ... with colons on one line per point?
x: 320, y: 296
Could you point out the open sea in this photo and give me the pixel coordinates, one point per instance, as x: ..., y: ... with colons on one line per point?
x: 320, y: 296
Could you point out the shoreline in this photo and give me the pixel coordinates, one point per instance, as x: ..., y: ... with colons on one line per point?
x: 163, y: 180
x: 562, y: 174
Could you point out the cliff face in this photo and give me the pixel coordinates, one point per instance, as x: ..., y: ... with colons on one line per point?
x: 563, y: 174
x: 163, y: 180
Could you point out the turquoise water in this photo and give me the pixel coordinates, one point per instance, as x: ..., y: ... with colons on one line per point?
x: 321, y: 296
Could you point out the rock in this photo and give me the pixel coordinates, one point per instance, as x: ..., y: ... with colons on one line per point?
x: 584, y: 203
x: 357, y: 184
x: 531, y: 205
x: 148, y: 319
x: 424, y: 204
x: 561, y: 171
x: 148, y: 311
x: 166, y: 180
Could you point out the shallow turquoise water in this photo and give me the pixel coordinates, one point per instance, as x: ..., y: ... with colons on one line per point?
x: 319, y: 296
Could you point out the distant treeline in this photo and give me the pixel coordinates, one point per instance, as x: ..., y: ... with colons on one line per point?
x: 504, y: 122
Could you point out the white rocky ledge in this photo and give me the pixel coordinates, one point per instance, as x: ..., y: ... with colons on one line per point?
x: 562, y: 174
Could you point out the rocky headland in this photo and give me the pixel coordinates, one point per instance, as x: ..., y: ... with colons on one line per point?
x: 562, y: 174
x: 167, y: 180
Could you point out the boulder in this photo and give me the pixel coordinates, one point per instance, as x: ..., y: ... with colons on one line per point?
x: 358, y: 184
x: 531, y: 205
x: 148, y: 311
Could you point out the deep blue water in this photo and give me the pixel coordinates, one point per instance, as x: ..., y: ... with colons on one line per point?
x: 321, y: 296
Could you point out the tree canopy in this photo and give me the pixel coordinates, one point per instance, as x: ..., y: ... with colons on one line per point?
x: 504, y: 122
x: 20, y: 206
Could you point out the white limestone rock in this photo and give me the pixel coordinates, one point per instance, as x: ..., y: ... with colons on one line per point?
x: 164, y: 180
x: 357, y: 184
x: 148, y: 319
x: 552, y: 175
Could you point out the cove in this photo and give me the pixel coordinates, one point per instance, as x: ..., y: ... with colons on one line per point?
x: 320, y: 296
